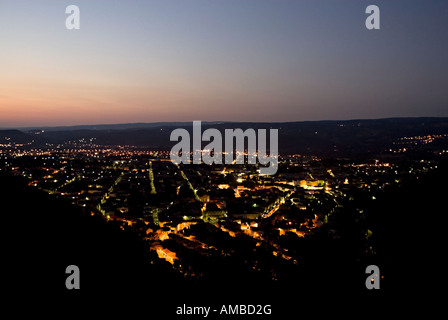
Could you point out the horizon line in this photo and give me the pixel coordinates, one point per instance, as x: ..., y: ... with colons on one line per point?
x: 208, y: 121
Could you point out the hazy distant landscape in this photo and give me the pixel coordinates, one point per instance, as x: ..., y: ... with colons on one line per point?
x: 325, y: 138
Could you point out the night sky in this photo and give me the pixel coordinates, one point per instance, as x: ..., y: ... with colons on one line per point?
x: 234, y: 60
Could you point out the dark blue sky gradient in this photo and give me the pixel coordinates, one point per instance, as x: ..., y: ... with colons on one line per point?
x: 239, y: 60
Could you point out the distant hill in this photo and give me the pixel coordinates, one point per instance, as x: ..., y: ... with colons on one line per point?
x: 325, y: 138
x: 121, y: 126
x: 16, y: 136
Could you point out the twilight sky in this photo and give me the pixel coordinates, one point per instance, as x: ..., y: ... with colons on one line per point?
x: 236, y: 60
